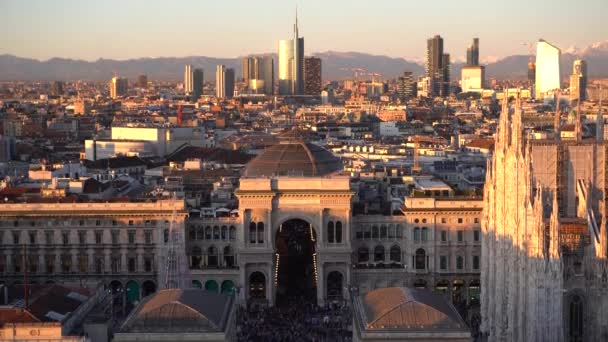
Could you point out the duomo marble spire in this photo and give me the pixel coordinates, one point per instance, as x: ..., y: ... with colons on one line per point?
x: 544, y: 274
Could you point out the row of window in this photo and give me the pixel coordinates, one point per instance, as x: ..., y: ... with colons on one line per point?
x: 66, y: 264
x: 49, y: 237
x: 419, y: 233
x: 17, y: 223
x: 460, y: 262
x: 460, y: 220
x: 419, y: 260
x: 212, y: 233
x: 379, y: 254
x: 256, y: 232
x: 212, y: 257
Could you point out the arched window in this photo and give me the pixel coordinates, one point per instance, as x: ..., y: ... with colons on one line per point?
x: 374, y: 232
x: 420, y: 259
x: 196, y: 257
x: 338, y: 232
x: 252, y: 232
x: 232, y: 232
x: 166, y: 235
x: 575, y: 331
x: 395, y: 254
x: 207, y: 233
x: 363, y: 254
x: 212, y: 256
x: 367, y: 234
x: 416, y: 234
x: 379, y: 253
x: 224, y: 232
x: 228, y: 257
x: 330, y: 232
x: 425, y: 234
x: 459, y: 262
x: 200, y: 233
x: 383, y: 233
x: 216, y: 233
x: 260, y: 232
x: 399, y: 231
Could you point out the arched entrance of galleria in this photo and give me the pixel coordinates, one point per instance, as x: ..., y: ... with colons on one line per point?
x: 295, y: 262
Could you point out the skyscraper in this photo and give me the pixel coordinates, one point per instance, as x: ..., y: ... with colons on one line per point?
x: 142, y: 81
x: 246, y: 65
x: 472, y: 74
x: 224, y: 82
x: 473, y: 53
x: 118, y: 87
x: 312, y: 75
x: 258, y: 72
x: 220, y: 82
x: 547, y: 68
x: 291, y: 64
x: 578, y: 80
x: 57, y: 88
x: 437, y: 67
x: 406, y: 86
x: 445, y: 72
x: 188, y: 84
x: 198, y: 80
x: 229, y: 83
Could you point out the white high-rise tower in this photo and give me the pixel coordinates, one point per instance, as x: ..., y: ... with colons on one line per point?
x: 291, y: 64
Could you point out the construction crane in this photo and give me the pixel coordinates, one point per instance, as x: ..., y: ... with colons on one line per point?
x: 531, y: 62
x: 175, y: 272
x: 426, y: 139
x: 357, y: 72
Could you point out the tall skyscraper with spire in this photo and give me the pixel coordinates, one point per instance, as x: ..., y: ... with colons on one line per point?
x: 291, y: 64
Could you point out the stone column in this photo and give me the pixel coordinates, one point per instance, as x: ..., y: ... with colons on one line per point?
x: 321, y: 229
x: 243, y: 283
x: 347, y: 229
x: 320, y: 283
x: 269, y: 229
x: 270, y: 288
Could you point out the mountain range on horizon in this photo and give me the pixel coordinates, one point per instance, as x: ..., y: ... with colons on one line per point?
x: 336, y: 66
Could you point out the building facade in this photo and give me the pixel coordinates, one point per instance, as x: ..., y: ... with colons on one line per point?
x: 304, y: 220
x: 198, y: 78
x: 437, y: 68
x: 118, y: 87
x: 406, y: 86
x: 473, y: 53
x: 473, y: 78
x: 188, y: 80
x: 312, y: 76
x: 547, y: 72
x: 119, y: 244
x: 578, y: 80
x: 258, y: 73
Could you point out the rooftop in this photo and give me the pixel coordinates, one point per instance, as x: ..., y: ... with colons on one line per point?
x: 175, y: 310
x: 407, y: 309
x: 293, y: 157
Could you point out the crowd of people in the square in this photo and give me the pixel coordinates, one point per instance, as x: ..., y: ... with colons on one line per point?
x: 295, y: 320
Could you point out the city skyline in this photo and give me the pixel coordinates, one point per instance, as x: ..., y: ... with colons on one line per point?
x: 36, y: 29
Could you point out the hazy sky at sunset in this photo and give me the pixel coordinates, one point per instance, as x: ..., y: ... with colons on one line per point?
x: 121, y: 29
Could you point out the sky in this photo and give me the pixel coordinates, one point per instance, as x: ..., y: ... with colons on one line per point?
x: 123, y: 29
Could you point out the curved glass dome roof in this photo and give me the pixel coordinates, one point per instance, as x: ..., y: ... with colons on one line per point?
x: 293, y: 157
